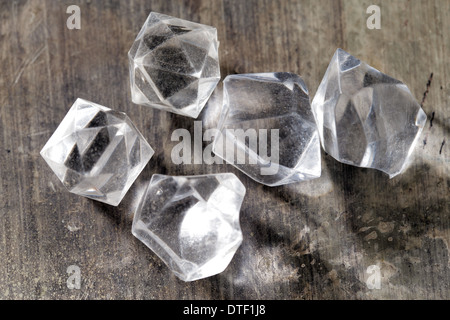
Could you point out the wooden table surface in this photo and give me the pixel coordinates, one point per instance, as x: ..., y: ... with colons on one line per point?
x: 311, y: 240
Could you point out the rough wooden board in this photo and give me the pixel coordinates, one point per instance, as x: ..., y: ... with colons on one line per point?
x: 311, y: 240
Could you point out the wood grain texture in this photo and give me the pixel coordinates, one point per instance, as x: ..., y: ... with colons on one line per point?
x: 310, y: 240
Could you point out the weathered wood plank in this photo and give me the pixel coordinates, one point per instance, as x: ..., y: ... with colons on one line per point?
x: 310, y: 240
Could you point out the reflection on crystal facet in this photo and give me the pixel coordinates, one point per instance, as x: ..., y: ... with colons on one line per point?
x: 174, y: 65
x: 97, y: 152
x: 267, y: 118
x: 191, y: 222
x: 365, y: 117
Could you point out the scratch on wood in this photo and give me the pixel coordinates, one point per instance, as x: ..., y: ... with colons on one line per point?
x: 29, y: 62
x: 432, y: 118
x: 442, y: 146
x: 38, y: 133
x: 340, y: 215
x: 426, y: 91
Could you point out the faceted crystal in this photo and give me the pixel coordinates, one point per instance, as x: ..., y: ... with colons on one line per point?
x: 365, y: 117
x: 191, y: 222
x: 267, y: 128
x: 97, y: 152
x: 174, y: 65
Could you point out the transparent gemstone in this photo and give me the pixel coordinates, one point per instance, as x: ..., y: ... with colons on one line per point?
x: 174, y: 65
x: 267, y: 128
x: 191, y: 222
x: 97, y: 152
x: 366, y: 118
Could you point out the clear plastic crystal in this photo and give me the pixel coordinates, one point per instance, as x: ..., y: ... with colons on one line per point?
x: 191, y: 222
x: 174, y: 65
x: 275, y: 109
x: 97, y: 152
x: 366, y: 118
